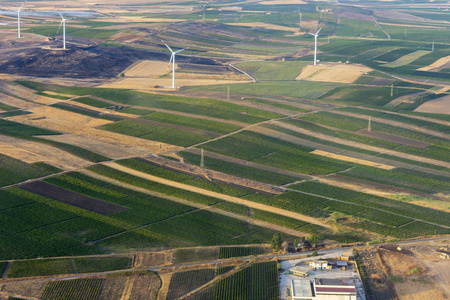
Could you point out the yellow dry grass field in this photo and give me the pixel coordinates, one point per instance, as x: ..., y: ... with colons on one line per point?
x: 279, y: 2
x: 84, y: 126
x: 437, y: 64
x: 151, y: 83
x: 29, y: 151
x: 352, y: 159
x: 265, y: 25
x: 341, y: 73
x: 438, y: 106
x: 148, y: 68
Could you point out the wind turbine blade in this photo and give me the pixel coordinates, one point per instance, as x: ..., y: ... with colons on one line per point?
x: 167, y: 46
x: 59, y: 26
x: 60, y: 14
x: 181, y: 50
x: 170, y: 61
x: 311, y: 33
x: 319, y: 30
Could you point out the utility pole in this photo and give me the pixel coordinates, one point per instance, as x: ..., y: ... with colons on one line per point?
x: 202, y: 162
x: 432, y: 47
x: 368, y: 127
x: 392, y: 90
x: 228, y: 93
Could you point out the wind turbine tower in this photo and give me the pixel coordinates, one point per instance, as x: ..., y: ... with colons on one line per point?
x: 18, y: 20
x: 63, y: 24
x: 172, y: 60
x: 315, y: 44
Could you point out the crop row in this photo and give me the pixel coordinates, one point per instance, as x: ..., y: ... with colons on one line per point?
x: 229, y: 252
x: 155, y: 133
x: 393, y: 206
x: 76, y: 289
x: 413, y: 229
x: 273, y: 70
x: 197, y: 123
x: 258, y: 281
x: 405, y: 178
x: 182, y: 283
x: 13, y: 170
x: 274, y: 152
x: 398, y: 118
x: 296, y: 89
x: 238, y: 170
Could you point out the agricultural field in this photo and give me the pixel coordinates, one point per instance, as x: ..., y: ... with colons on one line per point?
x: 103, y: 163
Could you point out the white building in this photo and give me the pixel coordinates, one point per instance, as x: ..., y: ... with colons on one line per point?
x: 323, y: 289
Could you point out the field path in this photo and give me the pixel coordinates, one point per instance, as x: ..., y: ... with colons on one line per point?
x: 200, y: 191
x: 394, y: 123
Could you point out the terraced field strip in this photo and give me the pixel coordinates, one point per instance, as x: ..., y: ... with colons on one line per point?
x: 352, y: 159
x: 292, y: 139
x: 216, y: 195
x: 197, y: 205
x: 393, y: 123
x: 73, y: 198
x: 406, y: 59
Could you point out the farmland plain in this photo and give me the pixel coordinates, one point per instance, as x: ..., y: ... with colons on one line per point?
x: 99, y: 159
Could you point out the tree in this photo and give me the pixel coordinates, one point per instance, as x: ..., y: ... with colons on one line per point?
x: 276, y: 241
x: 313, y: 240
x: 296, y: 242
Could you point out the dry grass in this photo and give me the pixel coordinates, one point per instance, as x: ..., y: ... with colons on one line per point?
x: 148, y: 68
x: 150, y: 83
x: 333, y: 73
x: 266, y: 26
x: 437, y: 64
x: 353, y: 160
x: 438, y: 106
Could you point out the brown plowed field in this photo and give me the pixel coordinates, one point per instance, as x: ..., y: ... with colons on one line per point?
x: 72, y: 198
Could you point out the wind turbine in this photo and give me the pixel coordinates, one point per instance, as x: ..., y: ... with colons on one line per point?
x: 63, y: 24
x: 315, y: 43
x: 172, y: 59
x: 18, y: 20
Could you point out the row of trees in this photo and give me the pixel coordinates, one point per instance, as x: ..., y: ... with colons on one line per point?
x: 278, y: 244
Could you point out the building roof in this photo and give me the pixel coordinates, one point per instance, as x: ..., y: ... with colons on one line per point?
x: 341, y: 263
x: 301, y: 288
x: 335, y: 290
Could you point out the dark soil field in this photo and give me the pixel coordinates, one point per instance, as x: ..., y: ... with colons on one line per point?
x: 81, y: 62
x: 69, y: 197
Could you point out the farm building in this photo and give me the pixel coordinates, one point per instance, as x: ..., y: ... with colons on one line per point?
x: 320, y: 265
x: 323, y: 289
x: 299, y: 271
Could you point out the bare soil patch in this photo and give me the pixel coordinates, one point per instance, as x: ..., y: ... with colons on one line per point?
x: 437, y: 65
x: 145, y: 287
x: 72, y: 198
x: 113, y: 288
x: 26, y: 289
x: 352, y: 159
x: 438, y: 106
x: 332, y: 73
x: 410, y: 286
x: 393, y: 138
x: 153, y: 259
